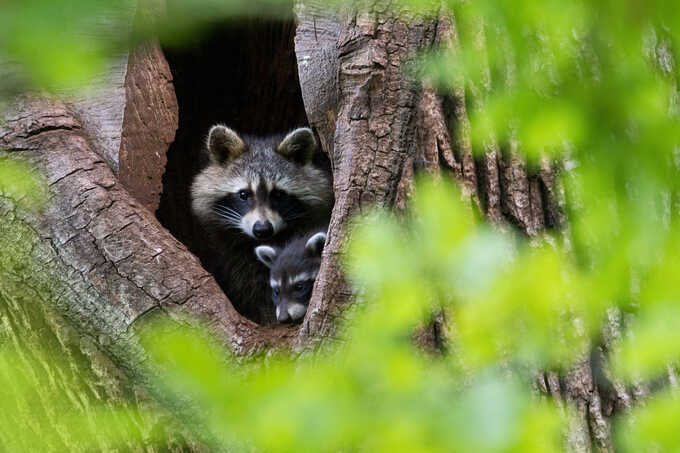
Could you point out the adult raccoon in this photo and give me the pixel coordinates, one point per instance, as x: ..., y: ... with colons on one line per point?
x: 293, y: 270
x: 258, y: 189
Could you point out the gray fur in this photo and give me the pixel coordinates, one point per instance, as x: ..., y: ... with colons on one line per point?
x: 315, y: 244
x: 309, y: 183
x: 224, y: 144
x: 266, y: 254
x: 295, y: 264
x: 266, y: 161
x: 299, y: 145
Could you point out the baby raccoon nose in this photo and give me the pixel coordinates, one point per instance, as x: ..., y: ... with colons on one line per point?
x: 263, y: 230
x: 282, y: 313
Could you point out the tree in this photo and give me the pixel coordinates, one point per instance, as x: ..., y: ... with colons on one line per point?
x: 104, y: 261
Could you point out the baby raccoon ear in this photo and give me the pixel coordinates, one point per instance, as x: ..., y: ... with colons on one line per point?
x: 314, y: 245
x: 224, y: 144
x: 266, y: 254
x: 298, y: 146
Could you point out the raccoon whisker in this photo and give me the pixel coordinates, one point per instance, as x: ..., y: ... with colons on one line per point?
x: 226, y: 210
x: 225, y: 216
x: 228, y: 224
x: 230, y: 219
x: 230, y: 214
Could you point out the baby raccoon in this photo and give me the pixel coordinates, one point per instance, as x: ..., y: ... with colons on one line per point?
x: 293, y: 270
x: 257, y: 189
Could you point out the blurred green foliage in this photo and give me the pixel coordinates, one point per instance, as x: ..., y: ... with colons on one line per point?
x: 65, y: 44
x: 589, y: 84
x: 20, y: 182
x: 377, y: 392
x: 51, y: 400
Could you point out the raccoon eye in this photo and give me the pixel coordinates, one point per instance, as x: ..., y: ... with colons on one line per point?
x: 300, y: 286
x: 243, y: 195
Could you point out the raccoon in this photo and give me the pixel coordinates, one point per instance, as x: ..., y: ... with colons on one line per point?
x: 257, y: 189
x: 293, y: 270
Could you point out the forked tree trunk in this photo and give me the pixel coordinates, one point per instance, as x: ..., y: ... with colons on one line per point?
x: 99, y: 256
x: 381, y: 127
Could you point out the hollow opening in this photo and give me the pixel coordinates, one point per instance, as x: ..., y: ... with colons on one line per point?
x: 242, y: 74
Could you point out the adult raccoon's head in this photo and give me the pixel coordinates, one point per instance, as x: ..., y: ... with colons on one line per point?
x: 260, y: 186
x: 292, y: 271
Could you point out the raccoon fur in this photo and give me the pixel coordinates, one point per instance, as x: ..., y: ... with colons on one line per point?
x: 257, y: 189
x: 293, y: 270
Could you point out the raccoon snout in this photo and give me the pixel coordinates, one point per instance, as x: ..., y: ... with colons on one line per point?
x: 282, y: 314
x: 297, y: 311
x: 263, y: 230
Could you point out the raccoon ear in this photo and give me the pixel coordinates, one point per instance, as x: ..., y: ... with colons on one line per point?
x: 299, y: 146
x: 224, y: 144
x: 314, y: 245
x: 266, y: 254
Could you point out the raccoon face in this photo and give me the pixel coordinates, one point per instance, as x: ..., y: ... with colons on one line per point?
x: 293, y: 270
x: 259, y: 210
x: 260, y: 186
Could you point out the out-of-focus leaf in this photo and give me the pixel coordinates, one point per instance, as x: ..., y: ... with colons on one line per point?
x: 20, y: 182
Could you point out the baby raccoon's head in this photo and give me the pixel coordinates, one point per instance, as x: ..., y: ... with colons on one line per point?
x: 260, y: 186
x: 293, y: 270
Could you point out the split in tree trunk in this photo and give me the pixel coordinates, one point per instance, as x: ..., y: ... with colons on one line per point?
x: 243, y: 75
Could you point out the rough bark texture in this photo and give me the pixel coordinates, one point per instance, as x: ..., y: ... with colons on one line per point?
x: 102, y: 110
x: 108, y: 257
x: 376, y: 113
x: 149, y: 124
x: 96, y: 254
x: 387, y: 128
x: 316, y: 49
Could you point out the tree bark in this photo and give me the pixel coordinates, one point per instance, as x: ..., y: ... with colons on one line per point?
x: 387, y: 127
x: 380, y: 128
x: 96, y: 255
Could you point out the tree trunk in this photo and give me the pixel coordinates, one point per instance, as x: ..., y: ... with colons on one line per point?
x: 96, y: 255
x: 380, y: 128
x: 101, y: 258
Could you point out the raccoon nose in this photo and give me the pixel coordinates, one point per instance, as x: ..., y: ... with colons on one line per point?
x: 281, y: 313
x: 263, y: 230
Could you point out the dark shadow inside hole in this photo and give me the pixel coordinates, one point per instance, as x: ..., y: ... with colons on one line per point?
x: 240, y: 74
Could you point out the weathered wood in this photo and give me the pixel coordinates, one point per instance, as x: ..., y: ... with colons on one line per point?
x: 377, y: 150
x: 149, y: 124
x: 101, y: 108
x: 102, y: 258
x: 374, y: 134
x: 316, y: 50
x: 101, y: 105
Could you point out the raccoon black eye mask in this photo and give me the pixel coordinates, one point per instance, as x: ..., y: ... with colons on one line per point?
x: 293, y: 269
x: 261, y: 214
